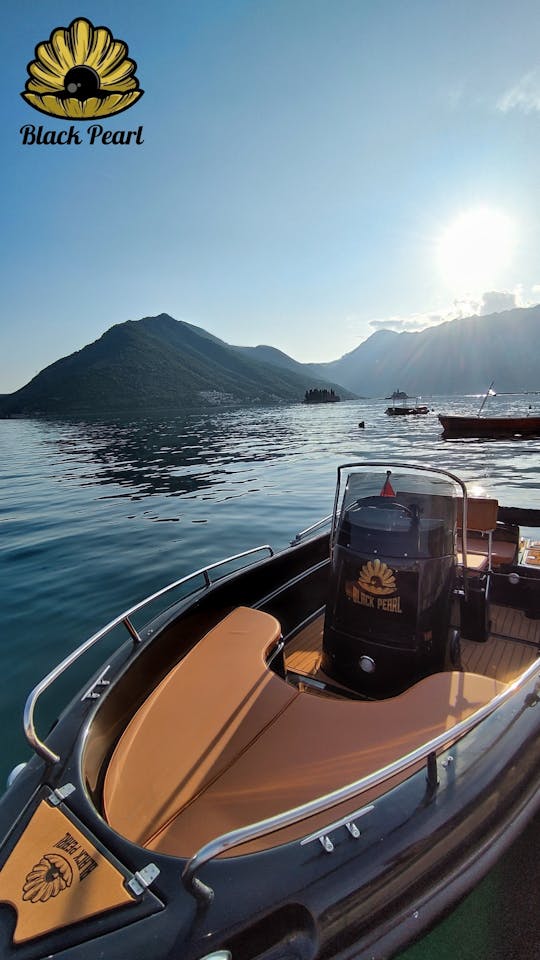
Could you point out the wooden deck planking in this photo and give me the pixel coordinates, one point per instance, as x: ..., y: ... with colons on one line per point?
x: 503, y: 620
x: 501, y: 658
x: 303, y: 652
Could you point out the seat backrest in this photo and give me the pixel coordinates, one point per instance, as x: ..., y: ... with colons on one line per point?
x: 195, y: 723
x: 481, y: 513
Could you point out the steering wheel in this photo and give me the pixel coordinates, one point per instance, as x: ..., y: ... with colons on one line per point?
x: 383, y: 503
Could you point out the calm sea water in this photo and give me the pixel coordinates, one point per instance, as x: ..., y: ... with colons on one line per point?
x: 95, y: 516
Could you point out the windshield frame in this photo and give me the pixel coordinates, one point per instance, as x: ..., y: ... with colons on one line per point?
x: 400, y: 465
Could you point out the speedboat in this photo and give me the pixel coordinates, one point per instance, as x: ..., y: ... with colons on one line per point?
x: 306, y: 754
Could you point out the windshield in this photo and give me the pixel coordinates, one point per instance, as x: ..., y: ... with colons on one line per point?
x: 405, y: 510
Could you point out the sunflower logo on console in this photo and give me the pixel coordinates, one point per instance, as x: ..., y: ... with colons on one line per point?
x: 377, y: 578
x: 47, y: 878
x: 82, y: 73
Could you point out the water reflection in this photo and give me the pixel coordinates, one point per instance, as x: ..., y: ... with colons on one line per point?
x: 97, y: 515
x: 217, y: 458
x: 172, y: 457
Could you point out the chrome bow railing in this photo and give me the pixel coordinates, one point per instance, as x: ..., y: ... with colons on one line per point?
x: 314, y: 526
x: 124, y: 618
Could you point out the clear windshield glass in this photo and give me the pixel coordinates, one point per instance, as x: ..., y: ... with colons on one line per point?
x: 410, y: 512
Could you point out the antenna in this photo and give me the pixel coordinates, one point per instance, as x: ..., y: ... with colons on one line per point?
x: 485, y: 398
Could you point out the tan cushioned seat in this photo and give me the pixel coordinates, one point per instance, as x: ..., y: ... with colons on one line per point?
x: 313, y: 747
x: 502, y: 551
x: 481, y: 513
x: 475, y: 561
x: 482, y: 518
x: 194, y: 724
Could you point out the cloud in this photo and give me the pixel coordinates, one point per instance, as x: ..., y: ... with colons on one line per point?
x: 524, y: 96
x: 415, y: 322
x: 495, y: 301
x: 492, y: 301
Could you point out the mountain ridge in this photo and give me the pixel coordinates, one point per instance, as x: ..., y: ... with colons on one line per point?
x: 159, y: 362
x: 454, y: 357
x: 155, y: 362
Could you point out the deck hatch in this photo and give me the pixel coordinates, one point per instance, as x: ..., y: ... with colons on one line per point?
x: 56, y: 876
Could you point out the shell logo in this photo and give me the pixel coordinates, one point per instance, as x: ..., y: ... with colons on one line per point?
x: 82, y: 72
x: 47, y: 878
x: 377, y: 578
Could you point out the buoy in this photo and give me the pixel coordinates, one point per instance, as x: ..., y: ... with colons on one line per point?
x: 361, y: 424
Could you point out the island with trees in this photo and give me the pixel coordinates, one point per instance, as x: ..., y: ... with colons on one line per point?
x: 321, y: 396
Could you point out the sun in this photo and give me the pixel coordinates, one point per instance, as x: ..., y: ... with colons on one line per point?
x: 475, y: 250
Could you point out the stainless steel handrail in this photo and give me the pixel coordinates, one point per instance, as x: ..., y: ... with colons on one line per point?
x: 255, y: 830
x: 314, y: 526
x: 124, y: 618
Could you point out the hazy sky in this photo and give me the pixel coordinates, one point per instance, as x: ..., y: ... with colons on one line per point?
x: 311, y: 170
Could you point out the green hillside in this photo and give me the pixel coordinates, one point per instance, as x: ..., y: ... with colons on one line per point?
x: 155, y: 363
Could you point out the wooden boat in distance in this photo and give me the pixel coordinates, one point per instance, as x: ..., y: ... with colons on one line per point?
x: 406, y: 411
x: 477, y: 426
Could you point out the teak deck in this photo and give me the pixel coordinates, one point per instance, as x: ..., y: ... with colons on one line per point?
x: 513, y: 644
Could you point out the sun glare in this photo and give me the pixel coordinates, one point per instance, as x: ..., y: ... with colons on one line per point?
x: 475, y: 250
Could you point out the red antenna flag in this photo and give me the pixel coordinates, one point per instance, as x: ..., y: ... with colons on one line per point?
x: 387, y: 490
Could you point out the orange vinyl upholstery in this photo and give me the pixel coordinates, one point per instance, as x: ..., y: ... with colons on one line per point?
x: 481, y: 513
x: 502, y: 551
x: 482, y: 521
x: 195, y: 723
x: 475, y: 561
x: 221, y: 744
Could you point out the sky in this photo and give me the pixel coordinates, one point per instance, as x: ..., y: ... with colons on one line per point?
x: 311, y: 171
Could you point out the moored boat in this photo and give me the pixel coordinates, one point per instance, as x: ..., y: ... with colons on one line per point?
x: 479, y: 426
x: 403, y: 411
x: 455, y: 426
x: 314, y: 755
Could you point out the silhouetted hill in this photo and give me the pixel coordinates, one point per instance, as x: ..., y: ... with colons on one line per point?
x: 272, y: 355
x: 162, y: 363
x: 155, y: 363
x: 457, y: 357
x: 279, y: 359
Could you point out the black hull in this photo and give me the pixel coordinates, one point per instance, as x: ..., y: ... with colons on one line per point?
x: 406, y: 411
x: 423, y: 847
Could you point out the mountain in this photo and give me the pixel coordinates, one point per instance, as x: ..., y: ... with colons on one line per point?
x: 456, y: 357
x: 157, y: 363
x: 160, y: 363
x: 272, y: 355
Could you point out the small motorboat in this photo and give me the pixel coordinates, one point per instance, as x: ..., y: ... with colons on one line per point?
x: 314, y: 755
x: 402, y: 411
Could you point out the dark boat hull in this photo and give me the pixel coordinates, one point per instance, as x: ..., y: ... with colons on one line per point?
x: 424, y: 846
x: 457, y: 426
x: 406, y: 411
